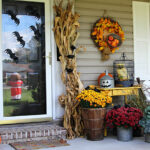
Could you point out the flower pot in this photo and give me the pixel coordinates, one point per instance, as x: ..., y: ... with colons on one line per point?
x: 147, y: 137
x: 138, y: 132
x: 124, y: 134
x: 93, y: 119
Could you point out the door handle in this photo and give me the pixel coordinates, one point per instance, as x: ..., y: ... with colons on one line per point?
x: 49, y: 57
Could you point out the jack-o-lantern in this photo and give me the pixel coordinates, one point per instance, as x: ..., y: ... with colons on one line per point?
x: 107, y: 81
x: 102, y: 75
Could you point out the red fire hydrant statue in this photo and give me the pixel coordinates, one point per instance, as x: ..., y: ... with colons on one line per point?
x: 15, y: 83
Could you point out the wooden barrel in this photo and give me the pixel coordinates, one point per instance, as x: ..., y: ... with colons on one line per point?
x: 93, y: 119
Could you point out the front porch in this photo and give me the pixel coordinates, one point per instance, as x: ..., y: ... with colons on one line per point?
x: 106, y: 144
x: 90, y: 66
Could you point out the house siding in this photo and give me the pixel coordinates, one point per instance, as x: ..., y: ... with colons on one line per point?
x: 89, y: 63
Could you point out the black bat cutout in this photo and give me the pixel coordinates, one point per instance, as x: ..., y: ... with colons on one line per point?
x: 73, y: 47
x: 71, y: 56
x: 69, y: 70
x: 13, y: 16
x: 32, y: 11
x: 87, y: 88
x: 96, y: 90
x: 12, y: 55
x: 36, y: 31
x: 19, y: 38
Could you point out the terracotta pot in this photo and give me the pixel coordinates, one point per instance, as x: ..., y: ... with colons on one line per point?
x: 93, y: 119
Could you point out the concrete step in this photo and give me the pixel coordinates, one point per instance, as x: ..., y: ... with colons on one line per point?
x: 30, y: 132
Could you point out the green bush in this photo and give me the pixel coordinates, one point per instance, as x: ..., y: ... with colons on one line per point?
x: 145, y: 122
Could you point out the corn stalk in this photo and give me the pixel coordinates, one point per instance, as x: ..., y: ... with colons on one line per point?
x: 66, y: 33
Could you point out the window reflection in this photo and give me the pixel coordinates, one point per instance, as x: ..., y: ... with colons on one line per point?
x: 23, y: 44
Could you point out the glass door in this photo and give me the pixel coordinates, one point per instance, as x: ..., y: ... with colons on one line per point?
x: 25, y: 68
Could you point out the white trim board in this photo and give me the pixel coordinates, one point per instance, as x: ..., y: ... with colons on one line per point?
x: 49, y: 47
x: 1, y: 75
x: 141, y: 26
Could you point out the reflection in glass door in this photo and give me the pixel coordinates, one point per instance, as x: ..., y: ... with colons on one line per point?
x: 23, y: 46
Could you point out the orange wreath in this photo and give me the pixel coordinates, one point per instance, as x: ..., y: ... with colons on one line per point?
x: 108, y: 35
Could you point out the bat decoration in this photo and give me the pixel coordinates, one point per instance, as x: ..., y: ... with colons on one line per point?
x: 69, y: 70
x: 96, y: 90
x: 87, y: 88
x: 32, y: 11
x: 73, y: 47
x: 19, y: 38
x: 70, y: 56
x: 12, y: 55
x: 36, y: 31
x: 13, y: 16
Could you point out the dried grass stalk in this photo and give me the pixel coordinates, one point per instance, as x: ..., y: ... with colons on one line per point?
x: 66, y: 34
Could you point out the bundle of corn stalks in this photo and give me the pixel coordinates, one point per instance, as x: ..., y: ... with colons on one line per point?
x: 66, y: 34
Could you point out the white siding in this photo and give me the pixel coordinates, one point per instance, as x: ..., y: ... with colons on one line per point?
x: 89, y: 62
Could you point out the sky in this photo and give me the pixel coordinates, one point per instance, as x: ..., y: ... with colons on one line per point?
x: 8, y: 26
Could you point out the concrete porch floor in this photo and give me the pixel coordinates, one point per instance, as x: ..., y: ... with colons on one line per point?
x: 106, y: 144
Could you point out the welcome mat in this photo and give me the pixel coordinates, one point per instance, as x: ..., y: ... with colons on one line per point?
x: 34, y: 145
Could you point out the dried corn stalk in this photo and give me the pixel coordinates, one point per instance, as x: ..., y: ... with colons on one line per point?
x: 66, y: 34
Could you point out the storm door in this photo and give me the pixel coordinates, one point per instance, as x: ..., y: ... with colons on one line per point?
x: 26, y: 94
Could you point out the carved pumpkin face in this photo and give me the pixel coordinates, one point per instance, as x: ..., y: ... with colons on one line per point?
x: 106, y: 84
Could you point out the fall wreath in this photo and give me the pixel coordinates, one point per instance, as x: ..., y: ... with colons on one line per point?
x: 108, y: 35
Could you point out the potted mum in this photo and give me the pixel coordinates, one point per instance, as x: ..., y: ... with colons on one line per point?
x: 145, y: 123
x: 93, y: 112
x: 124, y: 119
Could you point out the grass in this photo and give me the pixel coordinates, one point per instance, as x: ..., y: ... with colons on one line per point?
x: 11, y: 105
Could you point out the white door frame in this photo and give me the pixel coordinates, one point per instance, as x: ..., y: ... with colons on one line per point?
x: 141, y: 41
x: 49, y: 46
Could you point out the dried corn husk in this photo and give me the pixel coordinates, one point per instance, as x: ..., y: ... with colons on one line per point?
x: 66, y: 33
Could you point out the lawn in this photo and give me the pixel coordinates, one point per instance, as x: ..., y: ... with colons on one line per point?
x: 11, y: 105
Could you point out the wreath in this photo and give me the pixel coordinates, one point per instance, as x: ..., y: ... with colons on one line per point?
x: 108, y: 35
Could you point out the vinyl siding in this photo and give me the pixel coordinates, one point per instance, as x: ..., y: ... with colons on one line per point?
x: 89, y: 62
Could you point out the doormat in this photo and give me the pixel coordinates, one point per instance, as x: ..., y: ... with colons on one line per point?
x: 34, y: 145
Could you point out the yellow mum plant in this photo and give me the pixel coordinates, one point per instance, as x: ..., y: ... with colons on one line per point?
x: 93, y: 99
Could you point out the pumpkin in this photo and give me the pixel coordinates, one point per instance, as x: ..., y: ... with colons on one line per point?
x: 113, y: 40
x: 107, y: 81
x: 102, y: 75
x: 106, y: 84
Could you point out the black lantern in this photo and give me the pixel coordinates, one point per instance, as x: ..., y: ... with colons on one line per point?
x: 123, y: 71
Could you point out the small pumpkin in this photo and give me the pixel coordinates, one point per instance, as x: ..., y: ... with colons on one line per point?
x: 106, y: 81
x: 106, y: 84
x: 113, y: 40
x: 102, y: 75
